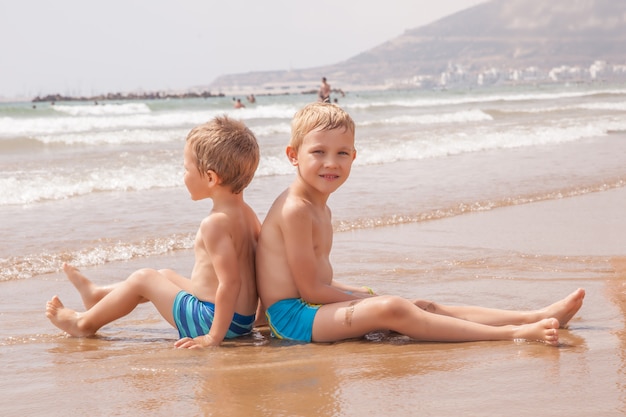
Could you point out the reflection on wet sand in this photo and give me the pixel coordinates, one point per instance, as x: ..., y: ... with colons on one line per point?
x: 349, y: 378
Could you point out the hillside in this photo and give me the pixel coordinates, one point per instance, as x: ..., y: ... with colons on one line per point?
x: 497, y: 40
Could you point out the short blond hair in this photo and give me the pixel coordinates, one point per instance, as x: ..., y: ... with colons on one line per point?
x: 318, y: 116
x: 227, y: 147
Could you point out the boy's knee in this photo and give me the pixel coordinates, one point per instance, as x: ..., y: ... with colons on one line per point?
x: 141, y: 276
x: 393, y: 307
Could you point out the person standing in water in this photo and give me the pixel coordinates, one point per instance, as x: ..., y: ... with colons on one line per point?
x: 324, y: 93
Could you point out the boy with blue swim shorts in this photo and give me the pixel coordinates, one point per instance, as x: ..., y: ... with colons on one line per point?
x: 194, y: 318
x: 220, y: 299
x: 295, y: 276
x: 296, y: 236
x: 292, y: 319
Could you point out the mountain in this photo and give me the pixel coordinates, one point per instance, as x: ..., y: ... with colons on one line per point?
x: 494, y: 41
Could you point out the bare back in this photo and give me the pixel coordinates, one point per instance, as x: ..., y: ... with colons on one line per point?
x: 231, y: 230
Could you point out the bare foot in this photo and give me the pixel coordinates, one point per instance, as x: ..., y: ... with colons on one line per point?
x: 64, y: 318
x: 564, y: 309
x: 546, y: 330
x: 89, y: 292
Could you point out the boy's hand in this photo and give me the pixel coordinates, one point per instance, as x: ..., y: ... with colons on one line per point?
x: 188, y: 343
x: 195, y: 343
x: 368, y: 290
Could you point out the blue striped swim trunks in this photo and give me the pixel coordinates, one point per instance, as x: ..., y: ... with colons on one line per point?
x: 193, y: 318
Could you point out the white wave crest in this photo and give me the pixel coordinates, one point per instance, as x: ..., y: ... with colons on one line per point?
x: 102, y: 109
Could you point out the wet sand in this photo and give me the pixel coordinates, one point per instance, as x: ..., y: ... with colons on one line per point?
x: 522, y: 257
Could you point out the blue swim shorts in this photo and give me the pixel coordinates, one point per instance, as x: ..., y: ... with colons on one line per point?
x: 292, y: 319
x: 193, y: 318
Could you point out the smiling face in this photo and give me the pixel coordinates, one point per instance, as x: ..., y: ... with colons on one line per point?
x: 324, y: 159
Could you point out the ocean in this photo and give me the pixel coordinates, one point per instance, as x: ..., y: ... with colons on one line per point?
x: 508, y: 196
x: 93, y: 183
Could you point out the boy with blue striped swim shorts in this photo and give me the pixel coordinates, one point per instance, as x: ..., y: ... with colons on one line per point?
x: 194, y: 318
x: 220, y: 159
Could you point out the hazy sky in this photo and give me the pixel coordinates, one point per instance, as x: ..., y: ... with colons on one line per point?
x: 85, y: 47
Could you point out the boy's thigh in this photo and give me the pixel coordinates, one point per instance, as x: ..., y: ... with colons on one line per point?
x: 177, y: 279
x: 157, y: 288
x: 346, y: 320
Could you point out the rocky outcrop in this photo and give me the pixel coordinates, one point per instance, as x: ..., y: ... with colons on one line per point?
x: 500, y: 35
x: 126, y: 96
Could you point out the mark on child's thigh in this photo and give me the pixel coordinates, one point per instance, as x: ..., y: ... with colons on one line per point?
x: 349, y: 313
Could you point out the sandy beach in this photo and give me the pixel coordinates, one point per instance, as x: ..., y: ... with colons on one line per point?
x: 523, y: 256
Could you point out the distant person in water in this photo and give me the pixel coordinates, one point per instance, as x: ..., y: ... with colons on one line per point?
x: 239, y: 104
x: 220, y: 300
x: 324, y: 92
x: 251, y: 98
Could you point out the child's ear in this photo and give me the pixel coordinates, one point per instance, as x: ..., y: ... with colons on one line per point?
x: 292, y: 155
x: 212, y: 177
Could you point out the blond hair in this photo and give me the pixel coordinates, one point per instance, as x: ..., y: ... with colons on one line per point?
x: 227, y: 147
x: 318, y: 116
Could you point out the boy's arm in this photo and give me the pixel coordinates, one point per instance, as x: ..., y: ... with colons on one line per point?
x: 361, y: 291
x: 219, y: 245
x: 224, y: 258
x: 302, y: 260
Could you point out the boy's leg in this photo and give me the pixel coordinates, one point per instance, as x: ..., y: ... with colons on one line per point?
x: 352, y: 319
x: 144, y: 284
x: 91, y: 293
x: 562, y: 310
